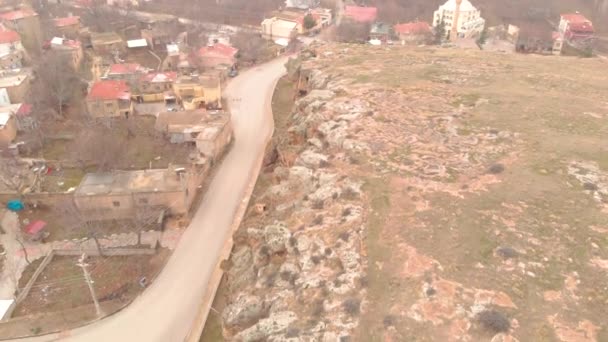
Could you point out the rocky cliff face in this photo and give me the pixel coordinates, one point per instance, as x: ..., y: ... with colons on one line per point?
x: 297, y: 271
x: 429, y: 194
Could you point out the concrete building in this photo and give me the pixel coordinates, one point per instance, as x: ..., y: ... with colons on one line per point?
x: 68, y: 27
x: 17, y: 85
x: 217, y: 55
x: 12, y: 52
x: 125, y: 194
x: 275, y: 28
x: 204, y: 91
x: 576, y: 30
x: 8, y: 129
x: 107, y: 43
x: 461, y: 19
x: 302, y: 4
x: 361, y: 14
x: 27, y: 23
x: 210, y: 131
x: 71, y: 50
x: 109, y: 99
x: 414, y: 33
x: 156, y: 87
x: 130, y: 72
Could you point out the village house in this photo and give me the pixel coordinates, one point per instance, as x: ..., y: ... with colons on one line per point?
x: 380, y: 31
x: 130, y: 72
x: 204, y: 91
x: 22, y: 114
x: 361, y: 14
x: 534, y: 38
x: 324, y: 16
x: 107, y: 43
x: 157, y: 86
x: 109, y: 99
x: 298, y: 18
x: 71, y: 50
x: 575, y: 30
x: 17, y: 85
x: 157, y: 38
x: 302, y: 4
x: 414, y: 33
x: 275, y: 29
x: 126, y: 194
x: 12, y: 52
x: 210, y: 131
x: 461, y: 19
x: 68, y: 27
x: 123, y: 3
x: 27, y: 23
x: 217, y: 55
x: 8, y: 129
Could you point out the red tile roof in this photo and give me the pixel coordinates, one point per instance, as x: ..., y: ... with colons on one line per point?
x: 68, y: 21
x: 125, y: 69
x: 578, y: 23
x: 9, y: 36
x: 160, y: 77
x: 361, y: 14
x: 109, y: 90
x: 420, y: 27
x: 18, y: 14
x: 24, y: 110
x: 216, y: 50
x: 34, y: 227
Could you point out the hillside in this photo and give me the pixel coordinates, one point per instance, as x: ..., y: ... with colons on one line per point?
x: 432, y: 195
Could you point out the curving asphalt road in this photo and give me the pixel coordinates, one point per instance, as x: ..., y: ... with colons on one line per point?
x: 167, y: 309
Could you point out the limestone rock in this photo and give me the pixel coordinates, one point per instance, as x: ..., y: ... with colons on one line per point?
x: 311, y: 159
x: 247, y: 309
x: 276, y: 237
x: 277, y: 323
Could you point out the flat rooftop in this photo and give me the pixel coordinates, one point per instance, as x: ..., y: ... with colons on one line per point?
x: 12, y: 80
x: 127, y: 182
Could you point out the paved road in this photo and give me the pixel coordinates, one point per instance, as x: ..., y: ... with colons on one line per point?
x: 166, y: 310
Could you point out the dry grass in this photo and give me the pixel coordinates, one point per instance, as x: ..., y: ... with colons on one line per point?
x: 558, y: 109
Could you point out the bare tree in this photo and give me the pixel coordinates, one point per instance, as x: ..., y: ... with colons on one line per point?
x: 82, y: 223
x: 11, y: 174
x: 57, y: 85
x: 354, y: 32
x: 252, y: 47
x: 99, y: 145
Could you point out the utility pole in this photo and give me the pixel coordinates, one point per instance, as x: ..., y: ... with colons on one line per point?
x: 81, y: 263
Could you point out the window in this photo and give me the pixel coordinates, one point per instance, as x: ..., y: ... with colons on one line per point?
x: 143, y: 201
x: 116, y: 204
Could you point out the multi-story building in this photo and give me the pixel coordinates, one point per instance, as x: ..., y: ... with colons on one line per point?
x: 27, y: 23
x: 461, y: 19
x: 109, y: 99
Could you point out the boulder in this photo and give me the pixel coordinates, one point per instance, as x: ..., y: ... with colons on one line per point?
x: 318, y: 79
x: 311, y: 159
x: 317, y: 95
x: 300, y: 173
x: 316, y: 143
x: 276, y: 236
x: 275, y: 324
x: 241, y: 273
x: 246, y: 310
x: 335, y: 132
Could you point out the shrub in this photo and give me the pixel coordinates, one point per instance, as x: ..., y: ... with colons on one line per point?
x: 344, y: 236
x: 323, y: 164
x: 496, y: 169
x: 315, y: 259
x: 318, y: 204
x: 318, y: 220
x: 506, y: 252
x: 328, y: 251
x: 293, y: 241
x: 346, y: 212
x: 352, y: 306
x: 292, y: 332
x: 590, y: 187
x: 494, y: 321
x: 389, y: 321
